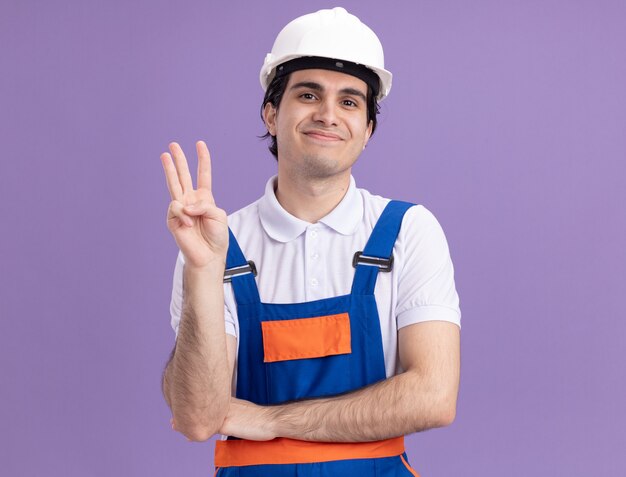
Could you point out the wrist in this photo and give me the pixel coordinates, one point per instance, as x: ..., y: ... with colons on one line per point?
x: 286, y: 420
x: 213, y: 270
x: 271, y: 422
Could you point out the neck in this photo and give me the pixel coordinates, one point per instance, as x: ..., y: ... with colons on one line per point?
x: 311, y: 199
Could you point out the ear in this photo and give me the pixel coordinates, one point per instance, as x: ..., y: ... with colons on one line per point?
x: 269, y: 116
x: 368, y: 133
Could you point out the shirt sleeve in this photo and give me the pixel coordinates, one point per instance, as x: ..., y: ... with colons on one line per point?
x: 426, y: 289
x: 176, y: 304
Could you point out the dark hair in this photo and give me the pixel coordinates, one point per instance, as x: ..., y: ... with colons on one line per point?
x: 274, y: 95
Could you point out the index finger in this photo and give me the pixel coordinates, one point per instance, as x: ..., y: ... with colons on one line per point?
x: 204, y: 166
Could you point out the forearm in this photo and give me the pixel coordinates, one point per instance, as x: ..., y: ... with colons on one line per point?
x: 196, y: 381
x: 400, y: 405
x: 397, y: 406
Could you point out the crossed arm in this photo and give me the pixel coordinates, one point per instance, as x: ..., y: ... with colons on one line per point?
x: 422, y: 397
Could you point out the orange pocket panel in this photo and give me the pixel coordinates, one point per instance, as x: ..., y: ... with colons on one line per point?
x: 306, y: 337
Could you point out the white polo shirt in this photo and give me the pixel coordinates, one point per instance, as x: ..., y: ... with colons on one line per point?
x: 298, y: 261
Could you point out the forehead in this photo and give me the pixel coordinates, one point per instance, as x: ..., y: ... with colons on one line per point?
x: 328, y: 79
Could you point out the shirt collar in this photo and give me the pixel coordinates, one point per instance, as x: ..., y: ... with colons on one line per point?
x: 284, y: 227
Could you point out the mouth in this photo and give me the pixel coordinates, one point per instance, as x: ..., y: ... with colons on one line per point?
x: 322, y: 135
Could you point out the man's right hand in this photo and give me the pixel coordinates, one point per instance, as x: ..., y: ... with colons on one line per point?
x: 199, y: 227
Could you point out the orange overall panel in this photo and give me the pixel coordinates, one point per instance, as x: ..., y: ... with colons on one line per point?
x: 235, y: 453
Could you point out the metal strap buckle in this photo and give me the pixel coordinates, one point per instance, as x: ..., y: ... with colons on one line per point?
x: 229, y: 273
x: 384, y: 264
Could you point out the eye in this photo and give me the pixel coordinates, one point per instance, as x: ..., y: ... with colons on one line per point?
x: 349, y: 103
x: 309, y: 96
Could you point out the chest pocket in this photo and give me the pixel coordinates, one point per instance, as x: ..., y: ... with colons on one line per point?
x: 307, y: 357
x: 304, y: 338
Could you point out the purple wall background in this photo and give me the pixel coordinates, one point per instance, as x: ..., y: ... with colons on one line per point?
x: 506, y: 119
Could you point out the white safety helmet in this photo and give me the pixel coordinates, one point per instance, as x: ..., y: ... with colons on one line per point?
x: 329, y: 34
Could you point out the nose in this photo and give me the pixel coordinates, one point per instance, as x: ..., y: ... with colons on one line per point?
x: 326, y: 113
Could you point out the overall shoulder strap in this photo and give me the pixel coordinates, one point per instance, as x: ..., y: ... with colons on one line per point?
x: 241, y: 273
x: 377, y: 254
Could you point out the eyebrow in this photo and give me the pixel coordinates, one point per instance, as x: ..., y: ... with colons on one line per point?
x: 318, y: 87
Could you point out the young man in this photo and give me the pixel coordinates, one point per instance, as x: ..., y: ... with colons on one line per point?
x: 325, y: 325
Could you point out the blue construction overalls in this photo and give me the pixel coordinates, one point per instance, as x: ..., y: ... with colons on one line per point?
x: 306, y: 350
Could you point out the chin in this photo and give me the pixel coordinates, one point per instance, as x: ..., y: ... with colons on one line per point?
x: 321, y: 166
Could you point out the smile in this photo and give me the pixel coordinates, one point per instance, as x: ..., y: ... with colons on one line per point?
x: 323, y: 136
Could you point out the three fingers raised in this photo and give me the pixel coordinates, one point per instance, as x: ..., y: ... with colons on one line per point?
x: 177, y: 172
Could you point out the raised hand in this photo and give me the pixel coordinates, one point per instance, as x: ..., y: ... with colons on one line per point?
x: 199, y: 227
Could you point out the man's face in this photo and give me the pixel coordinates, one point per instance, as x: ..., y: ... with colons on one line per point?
x: 321, y: 124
